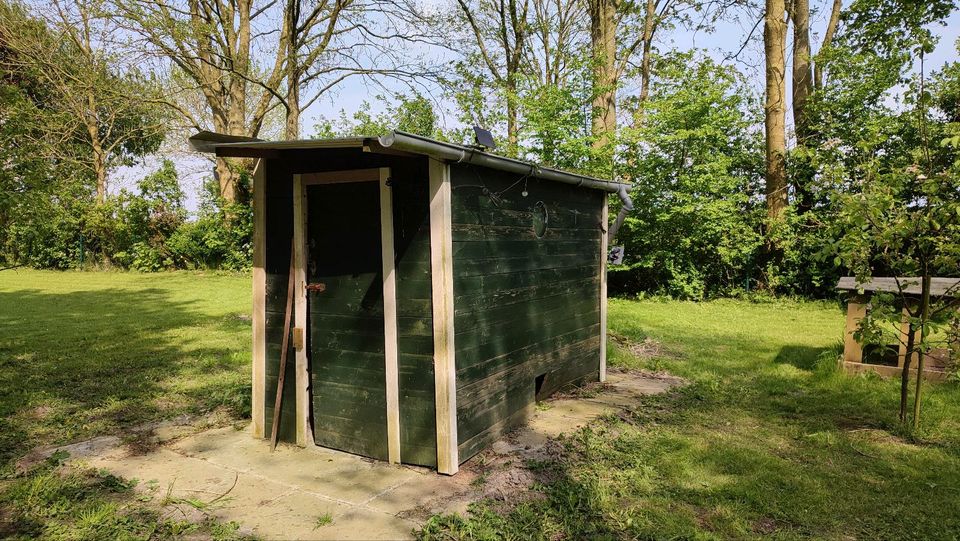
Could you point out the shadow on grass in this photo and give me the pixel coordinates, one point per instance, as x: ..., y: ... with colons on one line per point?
x: 802, y: 357
x: 84, y: 363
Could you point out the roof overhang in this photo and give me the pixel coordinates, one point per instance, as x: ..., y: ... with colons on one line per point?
x: 397, y: 143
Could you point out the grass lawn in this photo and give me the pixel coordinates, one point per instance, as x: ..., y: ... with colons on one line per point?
x: 88, y: 354
x: 766, y: 440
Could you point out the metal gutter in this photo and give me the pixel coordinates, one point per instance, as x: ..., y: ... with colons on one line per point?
x: 458, y: 154
x: 229, y: 145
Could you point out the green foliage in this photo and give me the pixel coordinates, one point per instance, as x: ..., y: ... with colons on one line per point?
x: 413, y: 114
x: 556, y: 128
x: 146, y: 231
x: 696, y: 162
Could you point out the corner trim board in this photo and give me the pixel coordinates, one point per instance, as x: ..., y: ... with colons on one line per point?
x: 304, y: 430
x: 444, y: 360
x: 258, y: 400
x: 391, y: 350
x: 604, y: 249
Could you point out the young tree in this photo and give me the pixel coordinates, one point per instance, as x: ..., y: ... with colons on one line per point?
x: 898, y: 212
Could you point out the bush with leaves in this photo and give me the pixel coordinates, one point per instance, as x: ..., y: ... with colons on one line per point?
x: 696, y: 162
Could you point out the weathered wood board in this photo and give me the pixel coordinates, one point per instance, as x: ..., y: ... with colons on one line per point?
x: 527, y: 302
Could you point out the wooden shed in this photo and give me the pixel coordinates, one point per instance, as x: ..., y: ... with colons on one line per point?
x: 440, y: 291
x: 889, y: 359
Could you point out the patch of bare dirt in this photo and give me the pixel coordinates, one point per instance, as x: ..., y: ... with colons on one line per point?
x: 765, y: 526
x: 646, y: 349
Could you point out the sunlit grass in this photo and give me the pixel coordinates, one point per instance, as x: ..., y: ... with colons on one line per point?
x: 766, y: 440
x: 88, y: 354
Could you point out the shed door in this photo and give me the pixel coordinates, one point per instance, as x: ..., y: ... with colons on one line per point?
x: 346, y: 319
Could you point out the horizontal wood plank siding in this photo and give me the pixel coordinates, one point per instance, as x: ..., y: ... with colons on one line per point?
x: 278, y: 233
x: 411, y: 226
x: 525, y: 305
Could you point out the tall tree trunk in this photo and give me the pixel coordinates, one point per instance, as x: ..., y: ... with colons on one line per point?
x: 921, y: 353
x: 292, y: 128
x: 223, y: 170
x: 648, y: 25
x: 802, y: 88
x: 827, y: 40
x: 774, y: 42
x: 603, y: 29
x: 513, y: 138
x: 98, y: 160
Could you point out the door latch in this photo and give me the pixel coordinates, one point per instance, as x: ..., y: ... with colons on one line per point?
x: 317, y: 288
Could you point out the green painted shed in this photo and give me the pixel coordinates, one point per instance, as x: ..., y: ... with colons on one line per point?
x: 439, y: 291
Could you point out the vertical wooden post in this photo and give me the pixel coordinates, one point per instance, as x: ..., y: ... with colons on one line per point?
x: 604, y: 249
x: 259, y: 299
x: 304, y: 431
x: 391, y: 354
x: 856, y: 311
x: 444, y: 363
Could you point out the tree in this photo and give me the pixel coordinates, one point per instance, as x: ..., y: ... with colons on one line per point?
x: 695, y: 229
x: 603, y: 37
x: 247, y: 59
x: 410, y: 114
x: 774, y: 44
x: 498, y: 30
x: 99, y: 101
x: 895, y: 179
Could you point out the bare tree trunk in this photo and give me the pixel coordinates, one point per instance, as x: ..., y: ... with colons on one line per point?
x: 648, y: 23
x: 292, y: 14
x: 99, y: 159
x: 513, y: 138
x: 603, y: 29
x: 802, y: 88
x: 774, y: 41
x: 921, y: 354
x: 827, y: 40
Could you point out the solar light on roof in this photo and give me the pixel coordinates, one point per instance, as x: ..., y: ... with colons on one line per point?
x: 483, y: 138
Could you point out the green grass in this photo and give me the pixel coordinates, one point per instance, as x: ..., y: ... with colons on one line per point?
x: 88, y: 354
x: 766, y: 440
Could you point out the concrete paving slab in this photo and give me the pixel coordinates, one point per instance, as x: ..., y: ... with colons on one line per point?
x: 227, y: 474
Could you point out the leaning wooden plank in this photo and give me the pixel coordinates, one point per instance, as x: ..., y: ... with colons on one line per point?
x: 304, y: 430
x: 278, y: 401
x: 441, y: 266
x: 259, y: 299
x: 391, y: 356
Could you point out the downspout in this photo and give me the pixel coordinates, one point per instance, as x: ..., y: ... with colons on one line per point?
x: 625, y: 207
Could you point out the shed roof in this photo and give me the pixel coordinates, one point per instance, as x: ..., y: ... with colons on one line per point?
x: 396, y: 142
x: 910, y: 285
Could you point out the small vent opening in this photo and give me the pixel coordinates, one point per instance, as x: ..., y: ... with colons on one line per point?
x: 538, y: 385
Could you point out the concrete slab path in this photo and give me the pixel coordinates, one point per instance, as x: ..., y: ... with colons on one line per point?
x: 318, y: 493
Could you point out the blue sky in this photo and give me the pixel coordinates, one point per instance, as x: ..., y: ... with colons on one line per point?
x: 727, y: 38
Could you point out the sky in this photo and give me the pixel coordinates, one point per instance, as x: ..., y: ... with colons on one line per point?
x: 726, y: 38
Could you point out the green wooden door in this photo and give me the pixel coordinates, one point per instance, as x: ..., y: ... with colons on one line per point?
x: 346, y: 338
